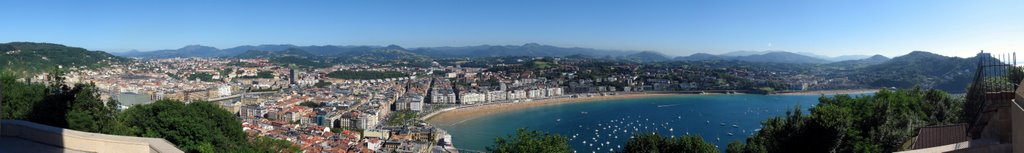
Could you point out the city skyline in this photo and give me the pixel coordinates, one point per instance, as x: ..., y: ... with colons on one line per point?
x: 830, y: 28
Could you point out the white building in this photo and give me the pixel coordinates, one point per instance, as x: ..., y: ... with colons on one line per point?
x: 516, y: 94
x: 497, y: 95
x: 472, y: 98
x: 535, y: 93
x: 224, y: 90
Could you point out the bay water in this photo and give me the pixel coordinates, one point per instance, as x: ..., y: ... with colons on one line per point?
x: 605, y: 126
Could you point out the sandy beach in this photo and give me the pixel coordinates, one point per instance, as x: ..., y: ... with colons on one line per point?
x: 461, y: 114
x: 464, y: 113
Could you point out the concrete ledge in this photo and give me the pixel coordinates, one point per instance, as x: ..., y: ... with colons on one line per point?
x: 83, y: 141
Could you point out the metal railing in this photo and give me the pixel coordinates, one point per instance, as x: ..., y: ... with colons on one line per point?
x: 994, y: 73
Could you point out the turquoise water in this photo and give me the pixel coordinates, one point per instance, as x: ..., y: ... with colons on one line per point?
x: 606, y: 125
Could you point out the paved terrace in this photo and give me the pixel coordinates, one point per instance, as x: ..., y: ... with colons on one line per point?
x: 24, y: 136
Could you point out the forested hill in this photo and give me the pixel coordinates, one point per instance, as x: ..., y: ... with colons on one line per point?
x: 27, y: 58
x: 924, y: 69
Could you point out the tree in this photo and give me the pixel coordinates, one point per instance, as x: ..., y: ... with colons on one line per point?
x: 271, y: 145
x: 311, y: 104
x: 194, y: 127
x: 201, y: 76
x: 322, y: 84
x: 19, y: 98
x: 89, y: 113
x: 190, y: 126
x: 530, y: 141
x: 735, y: 147
x: 652, y: 142
x: 877, y: 123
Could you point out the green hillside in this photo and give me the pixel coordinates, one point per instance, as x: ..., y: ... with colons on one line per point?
x: 27, y: 58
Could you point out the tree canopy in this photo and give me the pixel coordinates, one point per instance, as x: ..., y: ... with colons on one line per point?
x: 877, y: 123
x: 530, y: 141
x: 193, y: 127
x: 653, y: 143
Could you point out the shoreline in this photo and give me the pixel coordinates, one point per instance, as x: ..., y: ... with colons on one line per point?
x: 457, y: 115
x: 460, y: 114
x: 830, y: 92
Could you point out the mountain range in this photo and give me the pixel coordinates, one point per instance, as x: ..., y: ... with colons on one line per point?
x: 529, y: 49
x: 773, y: 57
x: 918, y: 68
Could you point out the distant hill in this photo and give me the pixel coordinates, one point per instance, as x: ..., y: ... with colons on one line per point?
x: 530, y: 49
x: 28, y: 58
x: 646, y: 56
x: 268, y: 53
x: 389, y: 55
x: 187, y: 51
x: 920, y: 68
x: 873, y: 60
x: 809, y: 54
x: 235, y: 51
x: 747, y: 53
x: 850, y: 57
x: 781, y: 57
x: 749, y: 56
x: 698, y: 56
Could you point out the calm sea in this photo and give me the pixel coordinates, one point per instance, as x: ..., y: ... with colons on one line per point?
x: 606, y: 125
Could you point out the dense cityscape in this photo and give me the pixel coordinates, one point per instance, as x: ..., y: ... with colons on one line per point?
x: 381, y: 107
x: 525, y: 76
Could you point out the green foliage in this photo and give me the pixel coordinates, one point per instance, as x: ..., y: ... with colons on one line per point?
x: 365, y: 75
x: 402, y: 118
x: 190, y: 126
x: 311, y: 104
x: 89, y: 113
x: 383, y: 56
x: 921, y: 69
x: 322, y: 84
x: 26, y: 58
x: 172, y: 75
x: 290, y: 52
x: 735, y: 147
x: 650, y: 142
x: 540, y: 64
x: 225, y: 72
x: 194, y: 127
x: 271, y: 145
x: 241, y: 64
x: 19, y: 98
x: 878, y: 123
x: 261, y: 75
x: 265, y: 74
x: 530, y: 141
x: 439, y: 73
x: 202, y: 76
x: 297, y: 61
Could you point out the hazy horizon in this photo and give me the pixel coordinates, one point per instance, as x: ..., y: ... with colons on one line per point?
x: 666, y: 53
x: 830, y: 28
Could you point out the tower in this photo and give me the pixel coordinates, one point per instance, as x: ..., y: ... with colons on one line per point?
x: 291, y: 77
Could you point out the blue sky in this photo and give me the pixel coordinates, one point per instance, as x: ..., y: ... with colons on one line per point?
x: 827, y: 27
